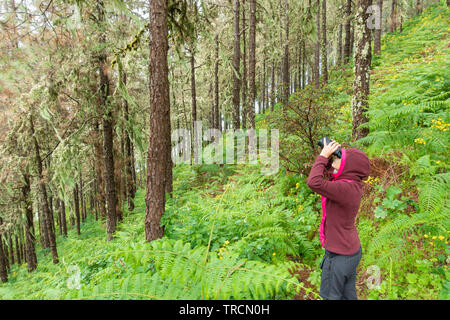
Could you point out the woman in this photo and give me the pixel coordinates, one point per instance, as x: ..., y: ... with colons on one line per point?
x: 341, y: 197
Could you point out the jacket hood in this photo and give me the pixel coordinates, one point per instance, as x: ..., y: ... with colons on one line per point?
x: 355, y: 165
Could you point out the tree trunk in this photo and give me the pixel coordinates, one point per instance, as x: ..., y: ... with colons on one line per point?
x: 348, y: 12
x: 393, y: 22
x: 44, y: 239
x: 169, y: 167
x: 108, y: 127
x: 377, y: 38
x: 11, y: 248
x: 194, y: 103
x: 159, y: 120
x: 352, y: 38
x: 419, y: 6
x: 58, y: 212
x: 63, y: 218
x: 303, y: 65
x: 18, y: 251
x: 362, y: 72
x: 316, y: 75
x: 130, y: 189
x: 216, y: 87
x: 244, y: 71
x: 339, y: 45
x: 324, y: 43
x: 77, y: 207
x: 236, y: 66
x: 82, y: 203
x: 272, y: 87
x: 99, y: 170
x: 299, y: 67
x: 43, y: 192
x: 263, y: 85
x: 3, y: 268
x: 285, y: 91
x: 252, y: 64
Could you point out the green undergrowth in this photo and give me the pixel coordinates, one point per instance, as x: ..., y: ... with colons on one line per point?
x: 222, y: 241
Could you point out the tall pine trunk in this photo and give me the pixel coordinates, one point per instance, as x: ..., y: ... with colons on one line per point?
x: 244, y: 70
x: 63, y: 218
x: 324, y: 43
x: 377, y: 38
x: 252, y: 64
x: 76, y: 203
x: 216, y: 87
x: 348, y: 11
x: 393, y: 18
x: 285, y: 92
x: 316, y: 75
x: 236, y: 67
x: 339, y: 45
x: 99, y: 169
x: 108, y: 129
x: 159, y: 120
x: 43, y: 192
x: 3, y: 262
x: 362, y: 72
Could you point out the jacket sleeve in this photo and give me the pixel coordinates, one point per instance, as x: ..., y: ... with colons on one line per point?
x: 336, y: 190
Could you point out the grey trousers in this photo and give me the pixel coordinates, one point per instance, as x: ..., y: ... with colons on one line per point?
x: 338, y: 280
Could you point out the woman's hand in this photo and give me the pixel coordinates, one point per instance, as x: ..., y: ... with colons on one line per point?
x: 329, y: 149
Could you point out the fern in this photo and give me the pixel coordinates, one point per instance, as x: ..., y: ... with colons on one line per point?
x: 434, y: 212
x: 180, y: 274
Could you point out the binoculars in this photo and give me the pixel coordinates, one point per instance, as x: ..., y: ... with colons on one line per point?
x: 337, y: 153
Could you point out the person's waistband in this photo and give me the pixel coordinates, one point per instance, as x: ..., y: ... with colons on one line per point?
x: 332, y: 254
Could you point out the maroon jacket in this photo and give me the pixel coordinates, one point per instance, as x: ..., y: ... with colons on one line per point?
x: 341, y: 197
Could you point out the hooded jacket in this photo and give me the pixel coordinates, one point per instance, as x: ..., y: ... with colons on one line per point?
x: 341, y: 198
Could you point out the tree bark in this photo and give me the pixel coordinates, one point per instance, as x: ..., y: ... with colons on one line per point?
x: 236, y: 66
x: 159, y: 120
x: 130, y: 188
x: 216, y: 87
x: 377, y: 38
x: 11, y: 248
x: 339, y: 45
x: 245, y: 105
x: 263, y: 85
x: 299, y: 67
x: 303, y: 65
x: 272, y: 87
x: 393, y: 22
x: 362, y: 73
x: 252, y: 64
x: 348, y: 12
x: 44, y: 199
x: 18, y: 251
x: 316, y: 74
x: 108, y: 127
x: 82, y: 203
x: 3, y: 268
x: 77, y: 207
x: 63, y: 217
x: 99, y: 170
x: 30, y: 240
x: 324, y: 43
